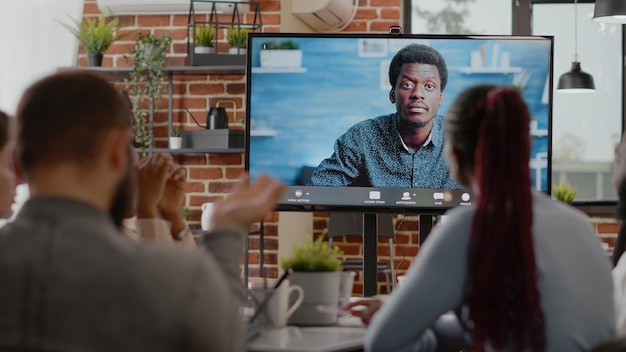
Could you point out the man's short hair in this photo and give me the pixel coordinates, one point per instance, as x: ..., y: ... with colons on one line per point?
x: 4, y: 129
x: 65, y: 117
x: 421, y: 54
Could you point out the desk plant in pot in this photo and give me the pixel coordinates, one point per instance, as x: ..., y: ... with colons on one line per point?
x: 146, y: 83
x: 96, y: 36
x: 205, y: 40
x: 317, y: 269
x: 238, y: 40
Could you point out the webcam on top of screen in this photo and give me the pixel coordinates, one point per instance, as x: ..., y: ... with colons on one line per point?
x: 395, y: 30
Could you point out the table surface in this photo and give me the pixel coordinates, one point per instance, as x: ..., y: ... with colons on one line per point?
x: 347, y: 335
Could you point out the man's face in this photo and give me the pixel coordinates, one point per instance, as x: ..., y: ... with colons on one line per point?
x: 417, y: 93
x: 7, y: 180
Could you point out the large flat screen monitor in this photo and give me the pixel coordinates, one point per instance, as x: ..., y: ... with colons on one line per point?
x: 321, y: 116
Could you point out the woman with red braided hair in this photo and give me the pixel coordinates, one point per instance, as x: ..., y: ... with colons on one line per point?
x: 520, y: 271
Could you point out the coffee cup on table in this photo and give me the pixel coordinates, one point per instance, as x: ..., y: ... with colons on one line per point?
x: 277, y: 309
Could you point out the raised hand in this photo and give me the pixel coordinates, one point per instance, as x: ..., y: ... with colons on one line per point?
x: 247, y: 204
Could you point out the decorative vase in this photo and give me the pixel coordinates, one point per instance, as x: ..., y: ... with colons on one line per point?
x: 176, y: 142
x: 204, y: 50
x: 94, y: 59
x: 321, y: 289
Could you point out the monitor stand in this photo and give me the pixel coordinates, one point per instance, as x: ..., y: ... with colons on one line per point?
x: 370, y: 249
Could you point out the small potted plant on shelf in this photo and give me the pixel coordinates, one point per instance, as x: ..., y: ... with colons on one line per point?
x: 317, y: 269
x: 96, y: 36
x: 205, y: 36
x: 564, y: 192
x: 284, y: 54
x: 238, y: 40
x: 176, y: 138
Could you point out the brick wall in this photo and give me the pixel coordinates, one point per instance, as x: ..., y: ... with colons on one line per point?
x: 211, y: 175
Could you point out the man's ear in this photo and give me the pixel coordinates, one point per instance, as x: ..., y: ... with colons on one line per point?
x: 441, y: 98
x: 392, y: 96
x: 17, y: 169
x: 119, y: 148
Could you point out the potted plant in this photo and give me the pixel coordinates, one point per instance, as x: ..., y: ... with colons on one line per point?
x: 317, y: 269
x: 176, y: 138
x: 237, y: 39
x: 205, y: 36
x: 281, y: 54
x: 564, y: 192
x: 96, y: 36
x: 146, y: 83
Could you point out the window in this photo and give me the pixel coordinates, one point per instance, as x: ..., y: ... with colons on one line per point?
x: 585, y: 126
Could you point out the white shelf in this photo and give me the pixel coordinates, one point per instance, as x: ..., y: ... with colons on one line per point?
x: 265, y: 132
x: 539, y: 133
x: 497, y: 70
x: 278, y: 70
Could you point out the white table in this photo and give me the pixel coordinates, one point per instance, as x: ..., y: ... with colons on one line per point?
x: 347, y: 335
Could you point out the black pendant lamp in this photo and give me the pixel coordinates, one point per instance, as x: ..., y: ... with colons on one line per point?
x: 610, y: 11
x: 576, y: 80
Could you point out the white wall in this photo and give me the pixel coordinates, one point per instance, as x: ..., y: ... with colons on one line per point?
x: 33, y: 43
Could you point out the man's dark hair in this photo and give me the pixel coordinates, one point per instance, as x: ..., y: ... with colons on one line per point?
x: 421, y: 54
x: 4, y: 129
x: 65, y: 117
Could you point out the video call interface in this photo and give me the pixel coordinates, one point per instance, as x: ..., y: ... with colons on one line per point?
x: 305, y: 91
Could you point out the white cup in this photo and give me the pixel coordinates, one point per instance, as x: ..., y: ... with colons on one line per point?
x: 277, y: 310
x: 207, y: 213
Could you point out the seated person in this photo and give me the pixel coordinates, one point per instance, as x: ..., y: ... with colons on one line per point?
x: 72, y: 281
x: 7, y: 175
x: 519, y: 271
x: 156, y: 208
x: 403, y: 149
x: 619, y: 272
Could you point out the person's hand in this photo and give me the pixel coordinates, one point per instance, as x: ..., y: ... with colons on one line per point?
x: 173, y: 198
x: 619, y: 168
x: 364, y: 308
x: 152, y: 173
x: 247, y: 204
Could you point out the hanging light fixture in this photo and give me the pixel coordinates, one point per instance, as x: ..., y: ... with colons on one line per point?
x: 576, y: 80
x: 610, y: 11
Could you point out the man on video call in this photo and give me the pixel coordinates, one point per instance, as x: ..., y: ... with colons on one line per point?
x: 403, y: 149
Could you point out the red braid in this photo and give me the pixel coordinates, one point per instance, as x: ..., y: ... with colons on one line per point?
x: 502, y: 296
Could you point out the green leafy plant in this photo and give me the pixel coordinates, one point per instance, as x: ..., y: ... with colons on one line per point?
x: 564, y: 192
x: 314, y: 256
x: 237, y: 37
x: 186, y: 213
x: 277, y: 45
x: 176, y: 132
x: 146, y: 82
x: 95, y: 35
x: 205, y: 36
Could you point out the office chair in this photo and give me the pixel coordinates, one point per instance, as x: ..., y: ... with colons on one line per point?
x: 342, y: 224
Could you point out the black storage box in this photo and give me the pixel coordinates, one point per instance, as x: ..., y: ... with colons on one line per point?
x: 213, y: 139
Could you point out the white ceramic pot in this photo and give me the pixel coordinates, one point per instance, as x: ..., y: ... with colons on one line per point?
x: 204, y: 50
x: 176, y: 142
x: 320, y: 289
x: 237, y: 51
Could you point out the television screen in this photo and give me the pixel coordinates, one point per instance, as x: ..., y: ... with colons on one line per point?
x: 322, y: 116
